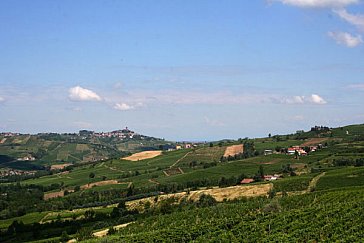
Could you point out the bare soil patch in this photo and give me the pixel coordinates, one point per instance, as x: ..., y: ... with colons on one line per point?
x: 143, y: 155
x: 60, y: 166
x: 53, y: 195
x: 313, y: 142
x: 99, y: 183
x: 233, y: 150
x: 298, y: 166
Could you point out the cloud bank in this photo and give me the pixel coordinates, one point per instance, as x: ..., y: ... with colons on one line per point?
x: 344, y: 38
x: 357, y: 86
x: 338, y: 7
x: 319, y: 3
x: 354, y: 19
x: 78, y: 93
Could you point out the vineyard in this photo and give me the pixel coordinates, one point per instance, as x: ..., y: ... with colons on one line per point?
x: 329, y: 216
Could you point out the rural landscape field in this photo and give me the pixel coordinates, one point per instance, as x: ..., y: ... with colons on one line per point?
x: 181, y: 121
x: 229, y: 190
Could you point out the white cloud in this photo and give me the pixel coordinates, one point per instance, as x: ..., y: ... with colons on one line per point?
x: 214, y: 123
x: 298, y: 118
x: 2, y: 99
x: 118, y: 85
x: 82, y: 124
x: 123, y: 107
x: 81, y: 94
x: 356, y: 86
x: 293, y: 100
x: 316, y: 99
x: 312, y: 99
x: 319, y: 3
x: 344, y: 38
x: 354, y: 19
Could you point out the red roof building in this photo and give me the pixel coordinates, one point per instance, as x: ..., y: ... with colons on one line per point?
x: 247, y: 181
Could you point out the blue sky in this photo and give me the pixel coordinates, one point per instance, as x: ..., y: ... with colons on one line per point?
x: 181, y: 70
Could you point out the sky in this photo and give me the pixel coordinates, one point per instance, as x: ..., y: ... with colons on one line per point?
x: 181, y: 70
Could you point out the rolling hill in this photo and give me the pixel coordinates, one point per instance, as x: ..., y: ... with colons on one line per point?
x: 195, y: 194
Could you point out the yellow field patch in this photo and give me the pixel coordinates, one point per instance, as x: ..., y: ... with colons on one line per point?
x: 143, y: 155
x: 82, y: 147
x: 60, y: 166
x: 100, y: 183
x: 228, y: 193
x: 233, y: 150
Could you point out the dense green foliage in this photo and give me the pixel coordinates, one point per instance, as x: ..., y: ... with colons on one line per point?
x: 329, y: 216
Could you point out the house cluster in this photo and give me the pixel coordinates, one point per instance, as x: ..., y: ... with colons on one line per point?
x: 182, y: 146
x: 302, y: 151
x: 265, y: 178
x: 12, y: 172
x: 26, y: 158
x: 122, y: 134
x: 9, y: 134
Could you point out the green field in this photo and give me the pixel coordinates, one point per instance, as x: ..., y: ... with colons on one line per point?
x: 344, y: 177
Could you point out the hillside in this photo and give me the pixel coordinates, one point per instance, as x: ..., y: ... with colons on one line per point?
x: 196, y: 193
x: 33, y: 152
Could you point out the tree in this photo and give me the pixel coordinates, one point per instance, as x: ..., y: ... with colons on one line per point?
x: 130, y: 190
x: 64, y: 237
x: 211, y: 145
x: 91, y: 175
x: 269, y: 135
x: 111, y: 231
x: 261, y: 171
x: 206, y: 200
x: 84, y: 234
x: 296, y: 154
x: 89, y: 214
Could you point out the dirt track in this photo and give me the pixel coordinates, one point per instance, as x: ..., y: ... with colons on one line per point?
x: 143, y: 155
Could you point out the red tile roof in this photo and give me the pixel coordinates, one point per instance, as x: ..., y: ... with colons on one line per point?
x: 247, y: 181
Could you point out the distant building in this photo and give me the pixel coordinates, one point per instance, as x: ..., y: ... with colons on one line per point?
x: 320, y: 129
x: 268, y: 151
x: 247, y: 181
x: 292, y: 150
x: 188, y: 145
x: 27, y: 158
